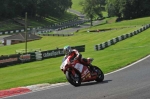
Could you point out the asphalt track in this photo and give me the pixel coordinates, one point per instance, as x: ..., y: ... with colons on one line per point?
x: 129, y: 83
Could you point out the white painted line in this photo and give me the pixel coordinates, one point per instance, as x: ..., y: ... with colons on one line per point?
x: 63, y: 84
x: 66, y: 83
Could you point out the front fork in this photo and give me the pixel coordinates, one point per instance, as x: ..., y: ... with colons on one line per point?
x: 75, y: 76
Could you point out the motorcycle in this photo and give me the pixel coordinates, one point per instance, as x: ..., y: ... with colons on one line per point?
x: 76, y: 72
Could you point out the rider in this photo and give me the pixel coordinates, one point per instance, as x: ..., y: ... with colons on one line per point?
x: 75, y: 55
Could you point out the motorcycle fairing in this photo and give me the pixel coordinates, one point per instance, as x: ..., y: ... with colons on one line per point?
x: 79, y: 67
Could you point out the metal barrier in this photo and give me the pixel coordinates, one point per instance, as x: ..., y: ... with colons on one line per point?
x: 120, y: 38
x: 8, y: 60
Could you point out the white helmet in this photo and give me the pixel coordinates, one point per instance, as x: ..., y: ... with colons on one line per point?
x: 67, y: 50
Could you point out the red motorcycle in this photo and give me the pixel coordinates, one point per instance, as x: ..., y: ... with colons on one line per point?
x: 76, y: 72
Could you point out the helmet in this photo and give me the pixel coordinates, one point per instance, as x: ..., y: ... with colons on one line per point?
x: 67, y: 50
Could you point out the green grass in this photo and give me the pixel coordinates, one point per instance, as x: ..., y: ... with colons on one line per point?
x: 76, y: 5
x: 8, y: 25
x: 48, y: 71
x: 51, y: 42
x: 51, y: 20
x: 126, y: 23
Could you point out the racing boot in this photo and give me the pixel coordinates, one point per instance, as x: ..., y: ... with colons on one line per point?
x: 92, y: 70
x: 90, y: 65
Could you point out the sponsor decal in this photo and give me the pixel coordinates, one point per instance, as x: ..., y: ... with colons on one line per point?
x: 26, y: 57
x: 86, y: 76
x: 52, y: 53
x: 85, y: 73
x: 8, y: 60
x: 38, y: 55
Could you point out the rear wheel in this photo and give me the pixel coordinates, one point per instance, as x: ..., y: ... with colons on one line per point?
x: 75, y: 80
x: 100, y: 73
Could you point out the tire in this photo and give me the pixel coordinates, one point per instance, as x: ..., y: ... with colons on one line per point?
x: 100, y: 73
x: 75, y: 81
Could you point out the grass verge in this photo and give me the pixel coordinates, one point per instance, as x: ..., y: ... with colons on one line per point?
x: 9, y: 24
x: 47, y: 71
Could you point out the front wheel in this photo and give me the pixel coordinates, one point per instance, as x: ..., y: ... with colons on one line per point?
x: 75, y: 80
x: 100, y: 74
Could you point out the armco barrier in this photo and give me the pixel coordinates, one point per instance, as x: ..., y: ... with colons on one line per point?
x: 59, y: 52
x: 29, y: 57
x: 80, y: 48
x: 119, y: 38
x: 22, y: 30
x: 23, y: 58
x: 52, y: 53
x: 7, y: 60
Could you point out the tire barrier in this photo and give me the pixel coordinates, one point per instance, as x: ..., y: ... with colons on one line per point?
x: 40, y: 32
x: 120, y: 38
x: 62, y: 28
x: 8, y: 60
x: 22, y: 30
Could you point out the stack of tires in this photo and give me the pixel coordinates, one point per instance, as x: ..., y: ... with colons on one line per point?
x: 120, y: 38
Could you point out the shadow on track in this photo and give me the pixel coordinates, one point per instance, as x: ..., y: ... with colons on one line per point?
x: 94, y: 82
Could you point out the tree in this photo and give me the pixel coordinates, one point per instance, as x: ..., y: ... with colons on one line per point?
x: 43, y: 8
x: 91, y: 8
x: 128, y: 9
x: 113, y: 8
x: 6, y: 9
x: 60, y: 6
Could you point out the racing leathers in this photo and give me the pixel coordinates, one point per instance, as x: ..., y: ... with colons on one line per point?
x: 75, y: 55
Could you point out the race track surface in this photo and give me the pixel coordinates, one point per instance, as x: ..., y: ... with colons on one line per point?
x: 130, y: 83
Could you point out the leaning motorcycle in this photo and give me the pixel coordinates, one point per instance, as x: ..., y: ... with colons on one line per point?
x: 76, y: 72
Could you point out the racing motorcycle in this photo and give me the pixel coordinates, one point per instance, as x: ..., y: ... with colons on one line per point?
x: 76, y: 72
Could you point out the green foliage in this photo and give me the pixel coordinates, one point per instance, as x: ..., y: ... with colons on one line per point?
x: 9, y: 25
x: 47, y: 71
x: 42, y: 8
x: 91, y: 8
x: 76, y: 5
x: 128, y: 8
